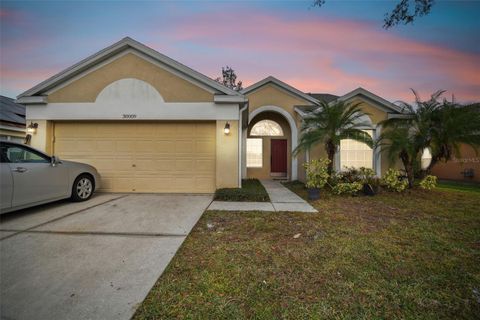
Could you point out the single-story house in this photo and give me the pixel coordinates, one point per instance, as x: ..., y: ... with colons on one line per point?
x: 151, y: 124
x: 12, y: 120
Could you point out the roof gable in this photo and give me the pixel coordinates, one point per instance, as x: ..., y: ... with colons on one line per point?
x: 116, y: 48
x: 282, y: 85
x: 369, y: 96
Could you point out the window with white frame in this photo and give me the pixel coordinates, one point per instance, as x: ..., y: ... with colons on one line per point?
x: 355, y: 153
x: 266, y: 128
x: 254, y: 153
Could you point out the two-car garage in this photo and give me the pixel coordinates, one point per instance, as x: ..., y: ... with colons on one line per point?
x: 142, y: 156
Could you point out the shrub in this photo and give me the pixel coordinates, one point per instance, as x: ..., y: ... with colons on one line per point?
x: 317, y: 173
x: 350, y: 188
x: 429, y: 182
x: 393, y: 181
x: 349, y: 174
x: 366, y: 175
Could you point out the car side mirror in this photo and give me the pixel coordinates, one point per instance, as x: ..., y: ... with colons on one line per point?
x: 54, y: 161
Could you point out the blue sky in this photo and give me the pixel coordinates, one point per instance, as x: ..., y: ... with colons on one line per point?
x: 333, y: 49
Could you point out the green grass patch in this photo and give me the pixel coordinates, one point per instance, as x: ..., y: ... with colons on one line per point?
x: 413, y: 255
x: 251, y: 190
x: 459, y: 186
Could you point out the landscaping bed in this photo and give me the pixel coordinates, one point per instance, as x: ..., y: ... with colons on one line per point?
x: 410, y: 255
x: 251, y: 190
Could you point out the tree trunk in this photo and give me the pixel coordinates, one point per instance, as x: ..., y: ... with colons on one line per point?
x: 408, y: 165
x: 330, y: 148
x: 410, y: 176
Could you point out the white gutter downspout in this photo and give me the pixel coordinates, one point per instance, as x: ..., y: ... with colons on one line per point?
x: 240, y: 138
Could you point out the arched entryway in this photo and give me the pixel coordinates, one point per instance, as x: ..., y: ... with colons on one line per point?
x: 271, y: 144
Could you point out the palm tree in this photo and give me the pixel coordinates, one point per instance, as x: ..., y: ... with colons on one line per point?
x: 455, y: 124
x: 398, y: 141
x: 440, y: 126
x: 331, y: 123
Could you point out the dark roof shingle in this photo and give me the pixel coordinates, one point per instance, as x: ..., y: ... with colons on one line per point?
x: 11, y: 111
x: 327, y: 97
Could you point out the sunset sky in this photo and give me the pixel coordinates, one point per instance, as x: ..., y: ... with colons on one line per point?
x: 333, y: 49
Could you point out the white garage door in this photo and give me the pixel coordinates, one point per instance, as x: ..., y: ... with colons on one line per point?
x: 143, y: 156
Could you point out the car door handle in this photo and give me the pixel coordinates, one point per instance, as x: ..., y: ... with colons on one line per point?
x: 20, y: 169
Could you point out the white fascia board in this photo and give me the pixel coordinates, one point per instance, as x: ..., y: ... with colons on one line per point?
x: 288, y: 88
x: 229, y: 99
x: 142, y: 111
x: 32, y: 100
x: 114, y: 49
x: 300, y: 112
x: 397, y: 115
x: 382, y: 102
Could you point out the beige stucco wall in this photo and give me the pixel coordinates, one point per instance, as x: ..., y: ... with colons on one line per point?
x: 264, y: 171
x: 171, y: 87
x: 272, y: 95
x: 227, y: 155
x: 452, y: 170
x: 43, y: 138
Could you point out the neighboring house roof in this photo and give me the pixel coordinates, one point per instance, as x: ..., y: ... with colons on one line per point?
x: 110, y: 51
x: 282, y: 85
x: 371, y: 97
x: 327, y: 97
x: 11, y: 112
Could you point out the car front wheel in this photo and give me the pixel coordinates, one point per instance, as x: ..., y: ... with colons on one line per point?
x: 83, y: 188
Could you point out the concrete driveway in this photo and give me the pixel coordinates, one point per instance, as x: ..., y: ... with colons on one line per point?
x: 92, y: 260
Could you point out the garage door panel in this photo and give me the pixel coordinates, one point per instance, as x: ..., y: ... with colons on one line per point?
x: 143, y: 156
x: 155, y: 184
x: 184, y: 146
x: 204, y: 131
x: 164, y: 146
x: 205, y: 166
x: 106, y: 146
x: 203, y: 184
x: 183, y: 165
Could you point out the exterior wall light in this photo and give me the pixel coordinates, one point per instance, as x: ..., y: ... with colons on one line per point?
x: 226, y: 130
x: 32, y: 128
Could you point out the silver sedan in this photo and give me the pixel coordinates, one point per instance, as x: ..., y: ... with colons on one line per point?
x: 29, y: 177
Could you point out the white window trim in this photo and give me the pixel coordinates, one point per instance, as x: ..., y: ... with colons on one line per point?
x: 376, y: 161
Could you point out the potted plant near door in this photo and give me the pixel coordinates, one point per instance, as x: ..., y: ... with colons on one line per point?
x: 370, y: 183
x: 317, y: 177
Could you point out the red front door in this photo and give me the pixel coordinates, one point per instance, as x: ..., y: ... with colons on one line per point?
x: 278, y: 156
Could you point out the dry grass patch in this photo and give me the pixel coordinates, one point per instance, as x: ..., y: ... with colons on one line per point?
x: 408, y: 256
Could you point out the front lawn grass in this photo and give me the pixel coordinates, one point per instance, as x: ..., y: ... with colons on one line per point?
x: 459, y: 186
x: 251, y: 190
x: 414, y: 255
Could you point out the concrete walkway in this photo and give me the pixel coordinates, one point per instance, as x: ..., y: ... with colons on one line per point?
x: 281, y: 199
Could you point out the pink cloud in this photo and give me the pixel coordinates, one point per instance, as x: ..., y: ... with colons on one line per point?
x: 326, y: 55
x: 310, y: 53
